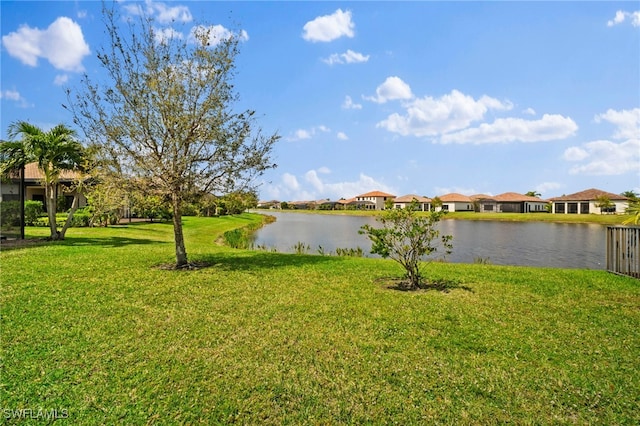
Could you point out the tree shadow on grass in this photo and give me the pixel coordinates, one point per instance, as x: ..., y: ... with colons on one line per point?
x: 78, y: 241
x: 253, y: 261
x: 109, y: 241
x: 443, y: 285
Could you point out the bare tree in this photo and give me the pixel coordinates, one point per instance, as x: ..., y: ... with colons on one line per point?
x: 167, y: 113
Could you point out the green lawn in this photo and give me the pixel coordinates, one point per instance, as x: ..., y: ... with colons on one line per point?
x: 90, y: 325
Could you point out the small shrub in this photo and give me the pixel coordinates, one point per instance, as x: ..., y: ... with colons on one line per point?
x: 301, y: 248
x: 350, y: 252
x: 10, y: 213
x: 32, y: 211
x: 238, y: 238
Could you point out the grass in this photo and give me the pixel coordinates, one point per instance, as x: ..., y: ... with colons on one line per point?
x: 90, y: 325
x: 607, y: 219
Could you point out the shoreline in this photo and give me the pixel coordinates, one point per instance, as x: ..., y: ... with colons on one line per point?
x: 606, y: 220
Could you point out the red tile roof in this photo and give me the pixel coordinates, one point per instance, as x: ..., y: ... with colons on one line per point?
x: 514, y: 197
x: 589, y: 195
x: 33, y: 173
x: 375, y: 194
x: 454, y: 197
x: 481, y: 197
x: 409, y: 198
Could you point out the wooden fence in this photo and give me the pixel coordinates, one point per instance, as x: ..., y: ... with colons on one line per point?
x: 623, y: 250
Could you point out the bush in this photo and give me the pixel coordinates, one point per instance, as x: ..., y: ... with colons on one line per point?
x: 238, y: 238
x: 81, y: 218
x: 10, y: 213
x: 32, y: 211
x: 407, y: 238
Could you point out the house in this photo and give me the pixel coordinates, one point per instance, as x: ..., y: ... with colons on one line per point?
x: 272, y: 204
x: 483, y: 203
x: 588, y: 202
x: 353, y: 204
x: 509, y: 202
x: 424, y: 203
x: 455, y: 202
x: 34, y: 188
x: 377, y: 198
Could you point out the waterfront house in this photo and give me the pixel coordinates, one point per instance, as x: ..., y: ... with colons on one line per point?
x: 424, y: 203
x: 377, y: 198
x: 455, y: 202
x: 509, y: 202
x: 588, y: 202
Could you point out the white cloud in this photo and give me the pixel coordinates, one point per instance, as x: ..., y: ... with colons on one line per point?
x: 12, y: 95
x: 61, y: 79
x: 290, y: 182
x: 15, y: 96
x: 302, y: 134
x: 349, y: 104
x: 329, y: 27
x: 393, y: 88
x: 575, y: 153
x: 162, y: 34
x: 349, y: 57
x: 430, y: 116
x: 545, y: 187
x: 529, y: 111
x: 621, y: 16
x: 342, y: 136
x: 62, y: 44
x: 442, y: 190
x: 160, y: 11
x: 627, y: 121
x: 214, y: 34
x: 606, y: 158
x: 549, y: 127
x: 315, y: 186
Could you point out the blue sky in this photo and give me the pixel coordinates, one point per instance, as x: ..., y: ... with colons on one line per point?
x: 403, y: 97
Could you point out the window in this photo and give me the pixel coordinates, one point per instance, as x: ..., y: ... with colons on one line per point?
x: 584, y: 208
x: 572, y: 208
x: 610, y: 209
x: 559, y: 207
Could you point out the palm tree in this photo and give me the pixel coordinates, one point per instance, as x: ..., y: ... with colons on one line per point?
x: 54, y: 151
x: 634, y: 211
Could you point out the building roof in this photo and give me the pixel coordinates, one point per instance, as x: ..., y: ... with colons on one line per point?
x: 454, y: 197
x: 33, y: 173
x: 376, y: 194
x: 482, y: 197
x: 514, y: 197
x: 410, y: 197
x: 589, y: 195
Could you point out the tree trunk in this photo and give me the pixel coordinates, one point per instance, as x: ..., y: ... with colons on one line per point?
x: 74, y: 207
x: 50, y: 195
x: 181, y: 252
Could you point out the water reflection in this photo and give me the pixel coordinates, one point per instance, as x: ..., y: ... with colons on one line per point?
x: 500, y: 243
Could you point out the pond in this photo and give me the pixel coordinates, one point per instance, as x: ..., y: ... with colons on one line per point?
x: 541, y: 244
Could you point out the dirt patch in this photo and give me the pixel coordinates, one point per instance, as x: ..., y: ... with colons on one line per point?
x: 191, y: 266
x: 402, y: 284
